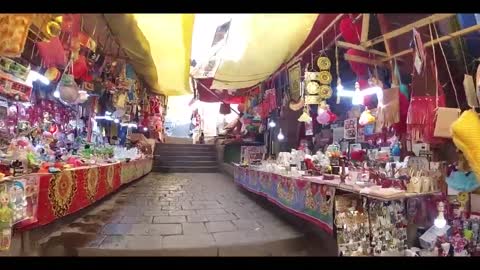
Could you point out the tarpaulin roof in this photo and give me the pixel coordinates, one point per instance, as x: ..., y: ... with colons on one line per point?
x: 263, y: 43
x: 158, y: 46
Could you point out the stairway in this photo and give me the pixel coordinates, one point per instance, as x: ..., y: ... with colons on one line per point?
x: 191, y: 158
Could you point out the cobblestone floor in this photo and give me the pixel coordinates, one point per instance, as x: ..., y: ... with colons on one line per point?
x: 180, y: 214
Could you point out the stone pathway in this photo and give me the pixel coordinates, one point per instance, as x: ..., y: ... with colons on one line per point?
x: 180, y: 214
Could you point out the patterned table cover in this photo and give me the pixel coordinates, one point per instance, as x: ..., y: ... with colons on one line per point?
x: 311, y: 201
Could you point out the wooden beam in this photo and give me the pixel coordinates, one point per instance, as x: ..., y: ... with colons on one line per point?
x: 343, y: 44
x: 447, y: 37
x: 407, y: 28
x: 332, y: 23
x: 365, y: 27
x: 363, y: 60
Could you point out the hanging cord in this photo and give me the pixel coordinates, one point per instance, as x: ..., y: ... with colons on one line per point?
x: 435, y: 71
x: 463, y: 55
x: 448, y: 67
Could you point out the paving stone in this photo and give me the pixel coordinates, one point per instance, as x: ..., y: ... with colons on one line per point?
x: 239, y: 237
x: 117, y: 229
x: 197, y: 218
x: 193, y: 228
x: 114, y: 242
x: 211, y: 212
x: 169, y: 207
x: 163, y: 229
x: 155, y: 213
x: 188, y: 241
x: 182, y: 213
x: 192, y: 207
x: 245, y: 224
x: 144, y: 242
x: 169, y: 219
x: 221, y: 217
x: 137, y: 220
x: 220, y: 226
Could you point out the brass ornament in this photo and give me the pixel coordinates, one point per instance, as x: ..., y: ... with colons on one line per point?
x: 324, y: 63
x: 325, y: 77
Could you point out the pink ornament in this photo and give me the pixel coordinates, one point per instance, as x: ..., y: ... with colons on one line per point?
x: 323, y: 117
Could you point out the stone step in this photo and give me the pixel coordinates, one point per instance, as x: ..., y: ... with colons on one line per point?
x: 185, y: 169
x: 185, y: 158
x: 169, y: 145
x: 199, y: 162
x: 179, y: 153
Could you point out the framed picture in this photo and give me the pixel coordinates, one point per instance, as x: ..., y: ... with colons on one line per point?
x: 294, y: 79
x: 350, y: 129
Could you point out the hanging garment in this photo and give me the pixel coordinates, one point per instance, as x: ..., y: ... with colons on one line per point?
x: 462, y: 181
x: 470, y: 93
x: 52, y: 53
x: 466, y: 135
x: 13, y: 33
x: 388, y: 111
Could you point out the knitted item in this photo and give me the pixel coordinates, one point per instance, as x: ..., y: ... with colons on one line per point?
x: 466, y: 135
x: 388, y: 111
x: 463, y: 182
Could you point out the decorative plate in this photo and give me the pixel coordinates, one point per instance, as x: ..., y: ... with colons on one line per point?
x: 313, y: 87
x: 325, y: 91
x: 313, y: 99
x: 312, y: 76
x: 324, y: 63
x: 325, y: 77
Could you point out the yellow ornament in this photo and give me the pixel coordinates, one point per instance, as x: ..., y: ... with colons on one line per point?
x: 324, y: 63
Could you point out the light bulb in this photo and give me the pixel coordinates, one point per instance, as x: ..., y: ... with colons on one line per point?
x: 280, y: 135
x: 272, y: 124
x: 357, y: 96
x: 116, y: 121
x: 145, y: 129
x: 440, y: 221
x: 56, y: 93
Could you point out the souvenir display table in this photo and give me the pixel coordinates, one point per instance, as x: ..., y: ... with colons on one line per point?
x: 71, y: 190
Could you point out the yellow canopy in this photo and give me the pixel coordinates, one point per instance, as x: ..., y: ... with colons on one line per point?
x: 158, y: 46
x: 257, y: 46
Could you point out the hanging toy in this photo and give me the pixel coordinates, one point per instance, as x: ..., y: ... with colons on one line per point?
x: 366, y: 118
x: 305, y: 117
x: 322, y: 116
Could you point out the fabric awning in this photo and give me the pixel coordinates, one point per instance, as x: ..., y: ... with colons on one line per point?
x: 158, y: 46
x: 257, y: 46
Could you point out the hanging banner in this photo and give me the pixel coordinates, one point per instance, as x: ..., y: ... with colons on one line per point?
x: 208, y: 68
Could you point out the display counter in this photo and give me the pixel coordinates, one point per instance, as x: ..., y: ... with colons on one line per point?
x: 310, y: 198
x: 71, y: 190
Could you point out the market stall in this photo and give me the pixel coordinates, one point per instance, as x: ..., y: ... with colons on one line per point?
x: 76, y: 122
x: 376, y: 147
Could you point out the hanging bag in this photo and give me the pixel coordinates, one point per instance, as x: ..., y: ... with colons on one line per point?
x: 444, y: 116
x: 421, y: 112
x: 67, y: 86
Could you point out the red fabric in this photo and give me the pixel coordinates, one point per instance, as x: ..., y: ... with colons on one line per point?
x: 350, y: 31
x: 71, y: 23
x: 52, y: 53
x: 359, y: 69
x: 401, y: 127
x: 80, y: 68
x: 206, y: 96
x: 81, y: 197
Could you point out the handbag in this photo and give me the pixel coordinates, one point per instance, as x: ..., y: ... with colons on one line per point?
x: 388, y: 113
x: 444, y: 117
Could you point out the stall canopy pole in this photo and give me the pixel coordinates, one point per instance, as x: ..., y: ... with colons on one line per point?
x: 216, y: 96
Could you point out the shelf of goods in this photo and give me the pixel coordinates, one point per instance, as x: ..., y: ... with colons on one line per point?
x: 317, y: 201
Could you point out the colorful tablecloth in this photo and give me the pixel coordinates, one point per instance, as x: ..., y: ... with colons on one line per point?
x: 311, y: 201
x: 72, y: 190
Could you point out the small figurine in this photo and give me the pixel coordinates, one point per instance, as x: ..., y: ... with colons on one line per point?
x: 6, y: 218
